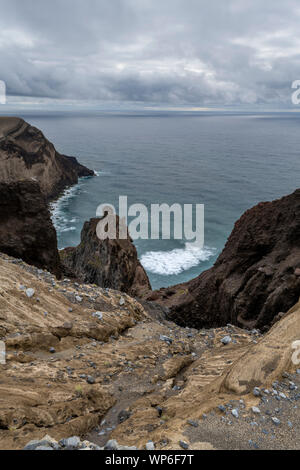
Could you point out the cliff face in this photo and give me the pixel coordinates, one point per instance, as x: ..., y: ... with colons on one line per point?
x: 26, y: 154
x: 26, y: 230
x: 107, y: 263
x: 255, y: 279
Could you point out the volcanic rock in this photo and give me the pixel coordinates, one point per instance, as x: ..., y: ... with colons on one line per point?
x: 25, y: 153
x: 26, y: 230
x: 255, y: 277
x: 107, y: 263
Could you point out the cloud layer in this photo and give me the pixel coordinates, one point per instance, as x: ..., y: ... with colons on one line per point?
x: 176, y: 52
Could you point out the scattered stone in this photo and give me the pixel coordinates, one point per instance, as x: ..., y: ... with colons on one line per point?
x: 276, y: 421
x: 123, y: 416
x: 72, y: 443
x: 226, y: 340
x: 255, y: 410
x: 235, y: 413
x: 184, y: 445
x: 166, y: 339
x: 195, y: 424
x: 111, y: 445
x: 98, y: 315
x: 122, y: 301
x: 256, y: 392
x: 150, y: 445
x: 30, y: 293
x: 52, y: 350
x: 90, y: 380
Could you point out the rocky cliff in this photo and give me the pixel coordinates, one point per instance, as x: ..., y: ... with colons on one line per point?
x: 26, y: 229
x: 255, y: 280
x: 106, y: 263
x: 26, y: 154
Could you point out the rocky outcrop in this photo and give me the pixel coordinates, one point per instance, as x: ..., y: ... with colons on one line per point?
x: 26, y: 154
x: 255, y: 279
x: 26, y: 229
x: 106, y: 263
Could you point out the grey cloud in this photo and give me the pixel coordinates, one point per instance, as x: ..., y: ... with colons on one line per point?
x: 151, y: 51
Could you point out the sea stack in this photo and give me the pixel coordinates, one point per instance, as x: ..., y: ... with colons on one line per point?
x: 108, y: 263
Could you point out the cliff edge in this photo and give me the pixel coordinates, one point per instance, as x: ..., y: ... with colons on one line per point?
x: 26, y: 154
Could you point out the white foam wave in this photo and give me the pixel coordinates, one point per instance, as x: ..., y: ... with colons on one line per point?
x: 57, y: 208
x: 68, y: 229
x: 167, y: 263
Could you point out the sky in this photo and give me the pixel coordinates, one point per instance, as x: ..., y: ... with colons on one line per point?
x: 174, y: 53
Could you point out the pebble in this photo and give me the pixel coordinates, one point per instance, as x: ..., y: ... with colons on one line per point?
x: 52, y: 350
x: 111, y: 445
x: 90, y: 380
x: 78, y: 298
x: 195, y: 424
x: 30, y: 293
x: 256, y: 392
x: 184, y: 445
x: 226, y: 340
x: 123, y: 416
x: 166, y: 339
x: 150, y: 445
x: 98, y: 315
x: 255, y: 410
x: 235, y: 413
x: 122, y: 301
x: 72, y: 442
x: 276, y: 421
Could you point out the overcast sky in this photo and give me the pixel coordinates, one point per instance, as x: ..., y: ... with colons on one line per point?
x: 174, y: 52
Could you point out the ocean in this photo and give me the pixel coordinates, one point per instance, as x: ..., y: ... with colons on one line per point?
x: 226, y: 161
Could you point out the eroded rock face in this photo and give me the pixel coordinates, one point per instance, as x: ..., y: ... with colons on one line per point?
x: 26, y: 154
x: 107, y: 263
x: 26, y: 230
x: 255, y: 279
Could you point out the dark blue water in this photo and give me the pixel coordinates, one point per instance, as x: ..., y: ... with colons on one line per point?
x: 227, y: 162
